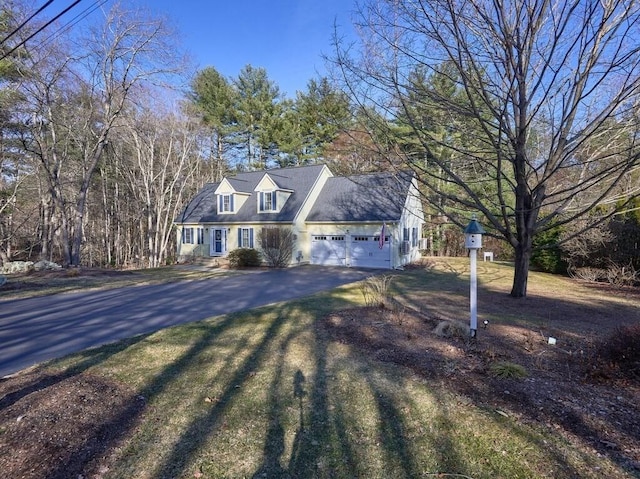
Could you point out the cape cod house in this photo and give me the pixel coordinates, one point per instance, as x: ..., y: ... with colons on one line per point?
x: 371, y: 220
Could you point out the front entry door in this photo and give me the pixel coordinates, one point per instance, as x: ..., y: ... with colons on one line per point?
x: 218, y: 241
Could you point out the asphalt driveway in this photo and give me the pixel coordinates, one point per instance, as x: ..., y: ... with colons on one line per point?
x: 38, y: 329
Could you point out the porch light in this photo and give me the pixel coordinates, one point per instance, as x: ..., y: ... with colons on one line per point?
x: 473, y: 242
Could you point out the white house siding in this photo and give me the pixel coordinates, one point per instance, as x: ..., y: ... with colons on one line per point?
x: 412, y: 219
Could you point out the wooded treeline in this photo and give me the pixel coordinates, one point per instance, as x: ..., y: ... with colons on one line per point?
x: 100, y: 146
x: 105, y: 132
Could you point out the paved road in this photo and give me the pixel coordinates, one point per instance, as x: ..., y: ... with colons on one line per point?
x: 38, y: 329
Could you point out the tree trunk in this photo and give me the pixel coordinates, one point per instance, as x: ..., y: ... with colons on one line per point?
x: 521, y: 273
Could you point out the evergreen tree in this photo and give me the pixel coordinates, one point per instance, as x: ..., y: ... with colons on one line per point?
x: 257, y: 114
x: 214, y: 99
x: 323, y: 112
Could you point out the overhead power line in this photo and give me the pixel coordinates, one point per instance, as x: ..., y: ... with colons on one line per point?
x: 21, y: 26
x: 75, y: 20
x: 40, y: 29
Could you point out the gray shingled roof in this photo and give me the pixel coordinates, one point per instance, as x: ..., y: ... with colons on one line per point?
x: 371, y: 197
x: 203, y: 207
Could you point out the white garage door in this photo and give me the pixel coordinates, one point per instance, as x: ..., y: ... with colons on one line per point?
x: 329, y: 250
x: 366, y: 252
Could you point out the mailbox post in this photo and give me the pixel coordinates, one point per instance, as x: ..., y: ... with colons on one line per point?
x: 473, y: 242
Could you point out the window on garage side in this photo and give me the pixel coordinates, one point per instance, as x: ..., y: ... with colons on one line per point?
x: 405, y: 245
x: 414, y: 237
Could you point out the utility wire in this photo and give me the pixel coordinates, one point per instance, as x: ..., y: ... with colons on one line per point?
x: 39, y: 29
x: 71, y: 23
x: 21, y: 26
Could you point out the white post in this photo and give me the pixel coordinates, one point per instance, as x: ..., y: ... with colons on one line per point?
x: 473, y: 293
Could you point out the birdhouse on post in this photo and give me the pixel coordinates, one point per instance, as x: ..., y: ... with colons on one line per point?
x: 473, y: 235
x: 473, y: 241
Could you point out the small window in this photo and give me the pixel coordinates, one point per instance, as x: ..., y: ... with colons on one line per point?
x: 414, y: 237
x: 267, y: 201
x: 187, y: 235
x: 319, y: 238
x: 225, y: 204
x: 245, y: 237
x: 200, y: 235
x: 337, y: 238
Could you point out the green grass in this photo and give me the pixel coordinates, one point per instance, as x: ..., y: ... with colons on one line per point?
x: 508, y: 370
x: 265, y: 394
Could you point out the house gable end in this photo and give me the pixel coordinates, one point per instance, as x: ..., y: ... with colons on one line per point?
x: 225, y: 188
x: 266, y: 184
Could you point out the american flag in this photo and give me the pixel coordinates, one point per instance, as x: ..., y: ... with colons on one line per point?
x: 381, y: 240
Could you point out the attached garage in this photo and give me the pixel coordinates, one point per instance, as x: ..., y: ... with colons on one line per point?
x: 367, y: 253
x: 329, y: 250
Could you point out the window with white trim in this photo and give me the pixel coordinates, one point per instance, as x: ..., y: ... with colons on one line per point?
x: 267, y: 201
x: 187, y: 235
x: 200, y: 232
x: 405, y: 245
x: 414, y: 237
x: 225, y: 204
x: 245, y: 237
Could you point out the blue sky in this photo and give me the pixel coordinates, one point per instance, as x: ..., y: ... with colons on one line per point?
x: 286, y: 37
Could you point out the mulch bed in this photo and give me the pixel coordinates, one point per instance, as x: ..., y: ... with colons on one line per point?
x: 61, y: 427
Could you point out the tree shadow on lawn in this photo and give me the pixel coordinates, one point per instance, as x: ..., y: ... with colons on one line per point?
x: 321, y: 444
x: 320, y: 425
x: 603, y: 416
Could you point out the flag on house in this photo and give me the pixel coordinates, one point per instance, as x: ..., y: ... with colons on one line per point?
x: 381, y: 240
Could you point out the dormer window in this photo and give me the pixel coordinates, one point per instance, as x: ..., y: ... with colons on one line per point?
x: 268, y: 201
x: 225, y: 204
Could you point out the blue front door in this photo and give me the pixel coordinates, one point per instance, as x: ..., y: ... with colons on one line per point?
x: 218, y: 241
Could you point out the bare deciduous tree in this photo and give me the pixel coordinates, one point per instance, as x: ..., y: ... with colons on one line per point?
x: 522, y: 110
x: 162, y: 169
x: 276, y: 245
x: 77, y: 95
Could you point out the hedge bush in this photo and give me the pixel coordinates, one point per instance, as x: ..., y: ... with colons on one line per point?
x: 244, y: 258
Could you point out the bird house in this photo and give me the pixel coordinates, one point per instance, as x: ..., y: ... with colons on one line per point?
x: 473, y: 235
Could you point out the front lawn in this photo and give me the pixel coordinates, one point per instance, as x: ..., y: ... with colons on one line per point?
x: 324, y: 387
